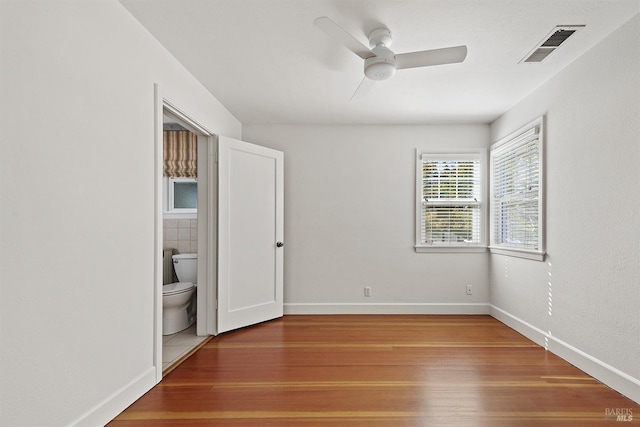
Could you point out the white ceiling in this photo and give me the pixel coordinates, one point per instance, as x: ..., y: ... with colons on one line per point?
x: 267, y: 62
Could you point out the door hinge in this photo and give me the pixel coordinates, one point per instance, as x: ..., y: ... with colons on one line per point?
x: 216, y: 156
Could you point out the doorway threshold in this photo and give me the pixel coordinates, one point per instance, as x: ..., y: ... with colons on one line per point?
x: 176, y: 348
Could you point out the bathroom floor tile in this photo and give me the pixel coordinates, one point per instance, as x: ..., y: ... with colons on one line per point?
x: 177, y: 345
x: 171, y: 353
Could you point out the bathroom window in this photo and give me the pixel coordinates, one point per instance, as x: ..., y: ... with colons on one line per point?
x: 182, y: 195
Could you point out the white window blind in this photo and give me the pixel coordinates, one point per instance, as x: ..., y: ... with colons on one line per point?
x: 451, y: 200
x: 516, y: 192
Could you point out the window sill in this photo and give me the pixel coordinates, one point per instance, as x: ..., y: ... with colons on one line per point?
x: 179, y: 215
x: 518, y: 253
x: 449, y: 249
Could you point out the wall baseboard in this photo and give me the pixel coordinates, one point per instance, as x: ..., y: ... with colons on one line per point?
x: 385, y: 308
x: 607, y: 374
x: 117, y: 402
x: 535, y: 334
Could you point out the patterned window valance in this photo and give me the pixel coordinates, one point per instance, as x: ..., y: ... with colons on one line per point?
x: 180, y: 154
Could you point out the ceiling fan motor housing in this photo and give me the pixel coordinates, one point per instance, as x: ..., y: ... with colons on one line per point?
x: 381, y: 66
x: 380, y: 36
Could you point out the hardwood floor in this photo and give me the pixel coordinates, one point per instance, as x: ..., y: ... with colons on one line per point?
x: 375, y: 371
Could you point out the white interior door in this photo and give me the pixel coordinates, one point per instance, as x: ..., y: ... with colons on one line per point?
x: 250, y: 234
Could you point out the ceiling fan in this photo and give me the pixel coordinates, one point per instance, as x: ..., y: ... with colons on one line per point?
x: 380, y: 63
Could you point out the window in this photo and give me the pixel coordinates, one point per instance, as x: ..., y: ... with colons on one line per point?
x: 517, y: 194
x: 182, y: 195
x: 450, y: 209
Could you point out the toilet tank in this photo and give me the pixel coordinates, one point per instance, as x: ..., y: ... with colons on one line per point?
x: 186, y: 266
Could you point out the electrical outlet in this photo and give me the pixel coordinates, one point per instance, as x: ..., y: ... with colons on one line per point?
x: 367, y: 291
x: 469, y: 290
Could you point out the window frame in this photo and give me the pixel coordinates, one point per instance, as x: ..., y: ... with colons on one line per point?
x: 499, y: 147
x: 452, y: 154
x: 170, y: 208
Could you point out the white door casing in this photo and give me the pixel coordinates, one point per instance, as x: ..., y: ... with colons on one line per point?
x: 250, y: 233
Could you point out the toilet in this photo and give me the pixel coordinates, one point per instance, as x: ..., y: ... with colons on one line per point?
x: 178, y: 299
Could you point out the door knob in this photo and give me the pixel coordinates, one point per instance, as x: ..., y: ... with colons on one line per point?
x: 279, y: 244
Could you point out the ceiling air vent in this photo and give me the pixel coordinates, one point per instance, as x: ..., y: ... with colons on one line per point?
x: 551, y: 42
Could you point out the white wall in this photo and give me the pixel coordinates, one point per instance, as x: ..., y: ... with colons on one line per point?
x: 77, y: 213
x: 585, y: 297
x: 350, y: 220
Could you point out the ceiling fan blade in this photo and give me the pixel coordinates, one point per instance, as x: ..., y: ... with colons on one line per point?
x: 346, y: 39
x: 363, y: 89
x: 425, y: 58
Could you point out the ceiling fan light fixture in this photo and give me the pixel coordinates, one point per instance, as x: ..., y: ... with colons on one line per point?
x: 382, y: 66
x: 379, y: 70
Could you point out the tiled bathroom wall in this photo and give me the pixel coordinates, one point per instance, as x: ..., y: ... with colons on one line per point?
x: 181, y: 234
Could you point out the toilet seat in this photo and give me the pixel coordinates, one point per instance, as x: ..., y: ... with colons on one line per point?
x: 176, y: 288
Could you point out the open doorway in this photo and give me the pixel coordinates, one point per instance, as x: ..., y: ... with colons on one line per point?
x: 185, y: 205
x: 180, y: 243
